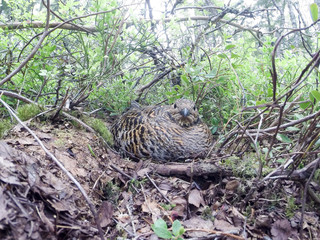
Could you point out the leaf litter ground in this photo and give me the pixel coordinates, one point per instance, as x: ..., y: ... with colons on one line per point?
x: 38, y: 201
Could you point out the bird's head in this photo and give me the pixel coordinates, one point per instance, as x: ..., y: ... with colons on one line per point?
x: 184, y: 112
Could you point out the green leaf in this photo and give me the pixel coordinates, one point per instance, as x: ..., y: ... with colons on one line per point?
x: 293, y: 129
x: 317, y: 142
x: 222, y: 55
x: 260, y: 102
x: 185, y: 79
x: 283, y: 138
x: 181, y: 231
x: 233, y: 55
x: 91, y: 151
x: 214, y: 129
x: 221, y: 79
x: 176, y: 227
x: 281, y: 160
x: 211, y: 74
x: 314, y: 11
x: 305, y: 105
x: 311, y: 97
x: 298, y: 116
x: 230, y: 46
x: 316, y: 94
x: 270, y: 92
x: 160, y: 229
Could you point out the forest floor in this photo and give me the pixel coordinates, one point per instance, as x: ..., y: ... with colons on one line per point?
x: 38, y: 201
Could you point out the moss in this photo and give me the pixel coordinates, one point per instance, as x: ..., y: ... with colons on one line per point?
x: 27, y: 111
x: 100, y: 127
x: 5, y: 126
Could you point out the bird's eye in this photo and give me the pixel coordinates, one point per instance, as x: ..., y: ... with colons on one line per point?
x: 174, y: 105
x: 194, y: 107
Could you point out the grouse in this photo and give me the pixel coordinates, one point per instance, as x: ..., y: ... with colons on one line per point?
x: 169, y: 132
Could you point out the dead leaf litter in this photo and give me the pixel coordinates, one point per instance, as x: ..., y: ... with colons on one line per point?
x: 38, y: 201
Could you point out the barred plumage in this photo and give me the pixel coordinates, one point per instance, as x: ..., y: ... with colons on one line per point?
x: 170, y: 132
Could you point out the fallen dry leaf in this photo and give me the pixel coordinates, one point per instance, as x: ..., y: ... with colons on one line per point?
x: 224, y: 226
x: 197, y: 223
x: 151, y: 207
x: 105, y: 213
x: 281, y: 230
x: 195, y: 198
x: 232, y: 185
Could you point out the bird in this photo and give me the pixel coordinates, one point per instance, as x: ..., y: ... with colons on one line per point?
x: 162, y: 133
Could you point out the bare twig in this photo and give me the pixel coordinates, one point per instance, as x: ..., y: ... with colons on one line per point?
x: 155, y: 185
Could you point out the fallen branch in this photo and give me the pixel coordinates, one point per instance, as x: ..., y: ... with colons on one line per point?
x: 16, y: 95
x: 198, y: 169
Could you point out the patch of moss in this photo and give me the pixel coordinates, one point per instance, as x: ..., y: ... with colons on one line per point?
x: 5, y: 126
x: 27, y: 111
x: 100, y: 127
x: 59, y: 143
x: 247, y: 166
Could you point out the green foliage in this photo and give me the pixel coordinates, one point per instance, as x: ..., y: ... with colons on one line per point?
x: 135, y: 183
x: 207, y: 213
x: 27, y: 111
x: 5, y: 126
x: 291, y: 207
x: 247, y: 166
x: 314, y: 11
x: 160, y: 228
x: 167, y: 207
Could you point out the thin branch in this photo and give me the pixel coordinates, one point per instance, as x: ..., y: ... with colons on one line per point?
x: 16, y: 95
x: 67, y: 26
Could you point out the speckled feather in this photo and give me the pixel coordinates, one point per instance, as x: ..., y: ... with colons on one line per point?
x: 170, y: 132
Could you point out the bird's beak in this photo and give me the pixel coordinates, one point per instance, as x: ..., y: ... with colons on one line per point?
x: 185, y: 112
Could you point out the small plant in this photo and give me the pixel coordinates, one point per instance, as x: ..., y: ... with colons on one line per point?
x: 5, y: 126
x: 291, y: 207
x: 207, y: 214
x: 160, y: 228
x: 110, y: 192
x: 91, y: 151
x: 167, y: 207
x: 135, y: 183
